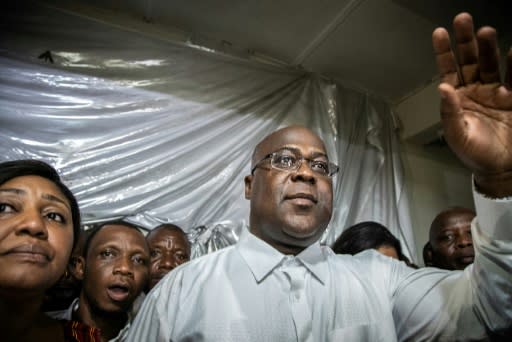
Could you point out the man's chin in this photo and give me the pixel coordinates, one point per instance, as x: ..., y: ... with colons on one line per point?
x: 302, y: 237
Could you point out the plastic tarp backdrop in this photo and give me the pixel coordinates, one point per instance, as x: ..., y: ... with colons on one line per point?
x: 155, y: 132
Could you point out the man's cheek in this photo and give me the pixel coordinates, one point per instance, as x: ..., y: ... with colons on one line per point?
x: 325, y: 204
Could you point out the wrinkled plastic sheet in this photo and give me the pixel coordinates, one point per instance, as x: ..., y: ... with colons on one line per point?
x: 205, y: 240
x: 155, y: 132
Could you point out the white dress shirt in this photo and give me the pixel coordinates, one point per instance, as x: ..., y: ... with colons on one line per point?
x: 252, y: 292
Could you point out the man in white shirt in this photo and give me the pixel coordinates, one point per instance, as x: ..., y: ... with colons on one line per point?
x: 279, y: 284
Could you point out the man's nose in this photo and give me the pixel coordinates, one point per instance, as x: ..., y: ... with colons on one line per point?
x: 465, y: 240
x: 304, y: 173
x: 168, y: 261
x: 124, y: 266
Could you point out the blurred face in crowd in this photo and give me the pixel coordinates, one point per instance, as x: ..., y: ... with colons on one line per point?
x: 450, y: 239
x: 115, y: 270
x: 169, y: 248
x: 289, y: 209
x: 36, y: 235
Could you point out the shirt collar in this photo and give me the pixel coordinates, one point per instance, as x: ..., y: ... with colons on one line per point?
x: 262, y: 259
x: 131, y: 313
x: 72, y: 308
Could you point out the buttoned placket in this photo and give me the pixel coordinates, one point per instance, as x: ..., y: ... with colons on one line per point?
x: 296, y: 275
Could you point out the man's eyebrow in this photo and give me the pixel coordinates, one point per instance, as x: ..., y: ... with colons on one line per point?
x: 109, y: 244
x: 319, y: 154
x: 139, y: 250
x: 445, y: 230
x: 289, y: 148
x: 114, y: 244
x: 315, y: 154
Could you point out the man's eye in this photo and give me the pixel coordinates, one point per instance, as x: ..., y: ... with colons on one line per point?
x: 107, y: 253
x: 56, y: 217
x: 140, y: 260
x: 154, y: 253
x: 6, y: 208
x: 447, y: 238
x: 285, y: 161
x: 181, y: 257
x: 320, y: 166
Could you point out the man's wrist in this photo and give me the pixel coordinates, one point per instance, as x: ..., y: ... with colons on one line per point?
x: 494, y: 186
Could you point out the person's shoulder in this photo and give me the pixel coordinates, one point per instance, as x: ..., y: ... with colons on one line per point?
x: 363, y: 258
x: 355, y: 264
x: 210, y: 258
x: 370, y: 263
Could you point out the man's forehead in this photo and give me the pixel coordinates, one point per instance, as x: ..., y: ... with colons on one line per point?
x: 296, y: 137
x: 163, y: 234
x: 453, y: 220
x: 111, y: 232
x: 457, y: 219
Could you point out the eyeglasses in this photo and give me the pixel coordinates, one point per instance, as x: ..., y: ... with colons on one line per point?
x: 288, y: 160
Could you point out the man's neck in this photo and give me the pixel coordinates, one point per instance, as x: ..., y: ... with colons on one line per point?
x: 288, y: 249
x: 283, y: 248
x: 109, y: 323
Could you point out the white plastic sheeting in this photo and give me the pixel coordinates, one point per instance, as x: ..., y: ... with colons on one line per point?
x: 156, y: 132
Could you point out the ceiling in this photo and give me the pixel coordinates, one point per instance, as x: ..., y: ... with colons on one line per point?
x: 382, y: 47
x: 379, y: 46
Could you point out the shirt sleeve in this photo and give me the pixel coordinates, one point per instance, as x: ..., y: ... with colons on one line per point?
x: 157, y: 315
x: 439, y: 305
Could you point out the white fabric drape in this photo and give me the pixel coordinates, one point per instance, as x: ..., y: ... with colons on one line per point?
x: 155, y: 132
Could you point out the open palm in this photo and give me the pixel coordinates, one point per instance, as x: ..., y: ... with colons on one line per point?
x: 476, y: 106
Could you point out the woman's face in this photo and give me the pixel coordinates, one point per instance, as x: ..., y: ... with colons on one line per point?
x: 36, y: 235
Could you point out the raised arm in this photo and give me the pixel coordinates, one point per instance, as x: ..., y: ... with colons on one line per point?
x: 476, y: 105
x: 476, y: 110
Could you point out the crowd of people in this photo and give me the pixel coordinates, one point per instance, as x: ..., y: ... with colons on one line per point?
x: 278, y: 283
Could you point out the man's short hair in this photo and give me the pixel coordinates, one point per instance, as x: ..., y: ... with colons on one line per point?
x: 93, y: 231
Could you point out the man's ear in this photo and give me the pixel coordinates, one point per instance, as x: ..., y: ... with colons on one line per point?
x: 77, y: 267
x: 428, y: 255
x: 248, y: 186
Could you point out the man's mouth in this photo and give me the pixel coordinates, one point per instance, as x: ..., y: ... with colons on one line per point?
x: 467, y: 259
x: 118, y: 292
x: 302, y: 198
